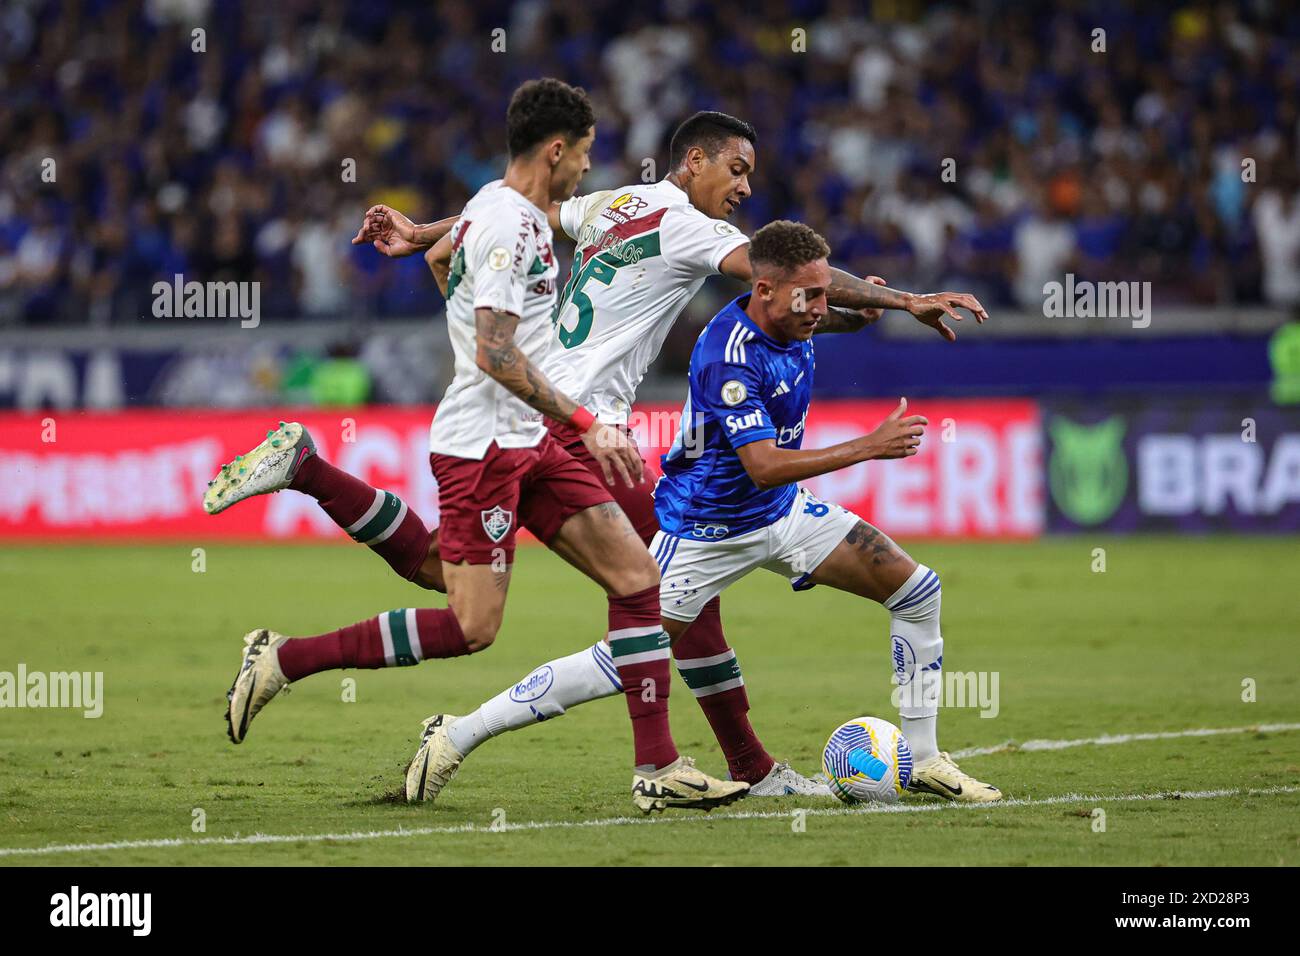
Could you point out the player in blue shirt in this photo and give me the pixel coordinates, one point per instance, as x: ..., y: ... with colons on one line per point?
x: 730, y: 500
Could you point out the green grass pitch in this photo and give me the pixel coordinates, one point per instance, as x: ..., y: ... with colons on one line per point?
x: 1161, y: 641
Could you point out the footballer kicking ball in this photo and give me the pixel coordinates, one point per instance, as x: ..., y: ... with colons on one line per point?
x: 868, y: 761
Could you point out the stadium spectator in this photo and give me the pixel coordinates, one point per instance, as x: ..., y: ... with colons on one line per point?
x: 130, y: 157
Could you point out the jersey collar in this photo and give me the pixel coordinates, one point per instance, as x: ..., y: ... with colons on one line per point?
x: 736, y: 309
x: 679, y: 193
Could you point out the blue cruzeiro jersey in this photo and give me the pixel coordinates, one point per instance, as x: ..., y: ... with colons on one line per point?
x: 744, y: 387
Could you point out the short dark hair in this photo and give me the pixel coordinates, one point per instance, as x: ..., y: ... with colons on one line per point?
x: 709, y: 130
x: 784, y: 245
x: 541, y: 108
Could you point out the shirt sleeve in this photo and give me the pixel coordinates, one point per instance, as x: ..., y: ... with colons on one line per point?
x: 497, y: 255
x: 732, y: 394
x: 695, y: 244
x: 574, y: 212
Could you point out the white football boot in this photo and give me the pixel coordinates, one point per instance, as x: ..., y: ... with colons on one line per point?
x: 681, y: 785
x: 435, y: 763
x: 268, y: 467
x: 943, y: 778
x: 259, y: 679
x: 784, y: 781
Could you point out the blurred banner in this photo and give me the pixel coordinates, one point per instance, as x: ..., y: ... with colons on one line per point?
x: 1186, y: 465
x: 142, y: 474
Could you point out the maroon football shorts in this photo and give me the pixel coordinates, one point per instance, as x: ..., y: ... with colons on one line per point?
x: 483, y: 503
x: 637, y: 503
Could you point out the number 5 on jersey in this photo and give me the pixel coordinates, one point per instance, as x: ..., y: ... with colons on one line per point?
x: 596, y: 269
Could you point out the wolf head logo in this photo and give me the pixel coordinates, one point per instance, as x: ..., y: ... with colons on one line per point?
x: 1087, y: 471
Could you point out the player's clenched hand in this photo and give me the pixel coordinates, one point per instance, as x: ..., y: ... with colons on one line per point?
x: 388, y: 231
x: 896, y: 436
x: 615, y: 452
x: 931, y: 308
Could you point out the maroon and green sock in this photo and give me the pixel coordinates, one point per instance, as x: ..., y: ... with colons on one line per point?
x: 393, y: 639
x: 373, y: 517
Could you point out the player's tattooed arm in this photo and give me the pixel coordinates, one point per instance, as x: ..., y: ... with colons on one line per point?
x: 736, y: 265
x: 851, y: 292
x: 499, y: 357
x: 770, y: 467
x: 838, y: 319
x: 929, y: 308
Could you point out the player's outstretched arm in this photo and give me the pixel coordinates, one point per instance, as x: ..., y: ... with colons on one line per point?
x: 870, y: 297
x: 395, y: 235
x: 929, y: 308
x: 840, y: 319
x: 770, y: 467
x: 856, y: 303
x: 499, y: 357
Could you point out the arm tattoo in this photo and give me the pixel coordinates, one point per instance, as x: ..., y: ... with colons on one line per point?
x: 500, y: 358
x: 840, y: 320
x: 848, y: 290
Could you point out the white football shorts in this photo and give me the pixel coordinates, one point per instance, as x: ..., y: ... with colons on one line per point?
x: 697, y: 566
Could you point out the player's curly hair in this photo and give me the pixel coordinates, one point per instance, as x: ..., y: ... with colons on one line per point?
x: 784, y: 245
x: 709, y: 130
x: 541, y: 108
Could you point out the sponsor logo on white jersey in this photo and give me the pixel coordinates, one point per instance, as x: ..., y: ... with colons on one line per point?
x: 625, y: 207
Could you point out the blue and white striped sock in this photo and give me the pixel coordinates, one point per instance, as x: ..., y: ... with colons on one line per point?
x: 548, y: 691
x: 916, y: 648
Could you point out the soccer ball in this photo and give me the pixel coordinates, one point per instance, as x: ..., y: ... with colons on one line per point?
x: 867, y: 760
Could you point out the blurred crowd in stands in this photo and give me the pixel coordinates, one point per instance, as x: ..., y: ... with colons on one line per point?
x: 1163, y: 148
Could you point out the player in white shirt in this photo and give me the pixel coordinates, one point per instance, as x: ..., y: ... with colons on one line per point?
x: 498, y: 468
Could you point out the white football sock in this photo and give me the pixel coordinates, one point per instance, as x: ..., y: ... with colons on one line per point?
x: 545, y: 693
x: 917, y: 649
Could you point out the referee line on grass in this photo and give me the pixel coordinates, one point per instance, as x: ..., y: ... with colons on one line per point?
x: 1107, y: 739
x: 404, y: 833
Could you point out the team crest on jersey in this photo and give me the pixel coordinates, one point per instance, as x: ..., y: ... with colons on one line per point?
x: 734, y: 392
x: 625, y: 207
x: 497, y: 522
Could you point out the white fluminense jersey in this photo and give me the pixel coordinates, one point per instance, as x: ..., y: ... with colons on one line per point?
x: 643, y: 252
x: 502, y: 260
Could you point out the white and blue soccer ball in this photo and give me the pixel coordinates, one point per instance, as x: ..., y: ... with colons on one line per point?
x: 867, y: 760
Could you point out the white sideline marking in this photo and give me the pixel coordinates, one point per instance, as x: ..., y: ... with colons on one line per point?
x: 358, y: 835
x: 1011, y: 745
